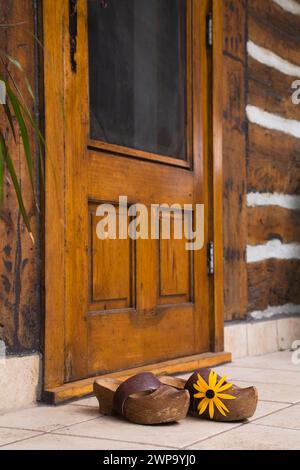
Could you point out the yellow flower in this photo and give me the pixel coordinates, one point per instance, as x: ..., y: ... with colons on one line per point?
x: 212, y: 394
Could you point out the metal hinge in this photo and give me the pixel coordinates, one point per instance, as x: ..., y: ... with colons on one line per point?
x: 209, y: 29
x: 211, y: 258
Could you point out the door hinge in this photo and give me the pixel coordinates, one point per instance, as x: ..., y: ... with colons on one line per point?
x: 211, y: 258
x: 209, y: 29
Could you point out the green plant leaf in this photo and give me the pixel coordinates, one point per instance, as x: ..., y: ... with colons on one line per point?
x: 10, y: 120
x: 40, y: 137
x: 24, y: 134
x: 14, y: 178
x: 17, y: 64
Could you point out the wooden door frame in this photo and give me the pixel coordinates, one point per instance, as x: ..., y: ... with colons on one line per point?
x: 55, y: 390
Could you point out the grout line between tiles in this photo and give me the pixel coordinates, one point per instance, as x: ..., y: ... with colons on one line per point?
x: 49, y: 432
x: 239, y: 426
x: 214, y: 435
x: 271, y: 413
x: 276, y: 426
x: 54, y: 433
x: 112, y: 440
x: 22, y: 440
x: 81, y: 422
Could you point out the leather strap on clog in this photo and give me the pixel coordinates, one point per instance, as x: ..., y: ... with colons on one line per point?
x: 144, y: 382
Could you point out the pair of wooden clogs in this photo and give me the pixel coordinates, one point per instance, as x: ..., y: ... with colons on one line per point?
x: 147, y: 399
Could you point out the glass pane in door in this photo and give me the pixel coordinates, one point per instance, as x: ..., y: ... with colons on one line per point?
x: 137, y: 74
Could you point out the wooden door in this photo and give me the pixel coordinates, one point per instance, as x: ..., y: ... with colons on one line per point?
x: 130, y: 83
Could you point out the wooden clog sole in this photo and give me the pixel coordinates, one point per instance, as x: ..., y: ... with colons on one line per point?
x: 241, y: 409
x: 164, y: 405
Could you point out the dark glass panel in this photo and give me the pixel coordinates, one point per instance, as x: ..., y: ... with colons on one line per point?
x: 137, y: 68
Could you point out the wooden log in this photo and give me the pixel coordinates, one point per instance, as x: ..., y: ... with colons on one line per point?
x: 271, y: 90
x: 235, y: 226
x: 234, y: 155
x: 19, y: 261
x: 275, y: 17
x: 269, y: 223
x: 234, y: 23
x: 273, y: 283
x: 273, y: 162
x: 266, y: 35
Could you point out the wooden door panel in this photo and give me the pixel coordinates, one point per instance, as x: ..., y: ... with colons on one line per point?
x: 130, y: 338
x: 112, y: 270
x: 147, y: 182
x: 176, y: 273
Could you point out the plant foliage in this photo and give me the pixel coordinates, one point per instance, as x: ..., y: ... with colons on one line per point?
x: 17, y: 116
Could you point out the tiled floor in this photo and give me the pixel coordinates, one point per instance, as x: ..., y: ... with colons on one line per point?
x: 276, y: 424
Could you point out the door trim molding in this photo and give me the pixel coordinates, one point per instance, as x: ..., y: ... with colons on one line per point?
x: 55, y: 188
x: 55, y: 205
x: 217, y: 137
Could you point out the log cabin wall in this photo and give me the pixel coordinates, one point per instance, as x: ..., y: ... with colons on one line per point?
x: 20, y: 260
x: 261, y: 159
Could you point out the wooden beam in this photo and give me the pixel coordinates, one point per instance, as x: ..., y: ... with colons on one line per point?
x: 234, y: 158
x: 266, y: 35
x: 273, y: 283
x: 271, y: 90
x: 269, y: 223
x: 273, y: 162
x: 234, y: 26
x: 275, y: 17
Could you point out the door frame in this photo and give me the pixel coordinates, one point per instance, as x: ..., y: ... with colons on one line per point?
x: 55, y: 389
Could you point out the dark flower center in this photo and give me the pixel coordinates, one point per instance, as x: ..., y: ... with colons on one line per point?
x: 210, y: 394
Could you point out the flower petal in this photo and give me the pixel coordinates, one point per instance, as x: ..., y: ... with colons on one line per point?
x: 201, y: 383
x: 197, y: 387
x: 225, y: 387
x: 199, y: 395
x: 221, y: 382
x: 211, y: 409
x: 218, y: 404
x: 224, y: 396
x: 203, y: 405
x: 212, y: 379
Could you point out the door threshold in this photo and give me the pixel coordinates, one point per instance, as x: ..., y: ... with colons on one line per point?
x: 83, y: 388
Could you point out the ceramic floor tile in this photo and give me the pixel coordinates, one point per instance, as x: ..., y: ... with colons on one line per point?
x: 284, y: 377
x: 48, y: 418
x: 60, y: 442
x: 252, y: 437
x: 174, y: 435
x: 288, y: 418
x: 8, y: 436
x: 265, y: 408
x: 275, y: 361
x: 91, y: 401
x: 281, y: 393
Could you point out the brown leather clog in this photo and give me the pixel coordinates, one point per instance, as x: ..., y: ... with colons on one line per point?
x: 142, y: 399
